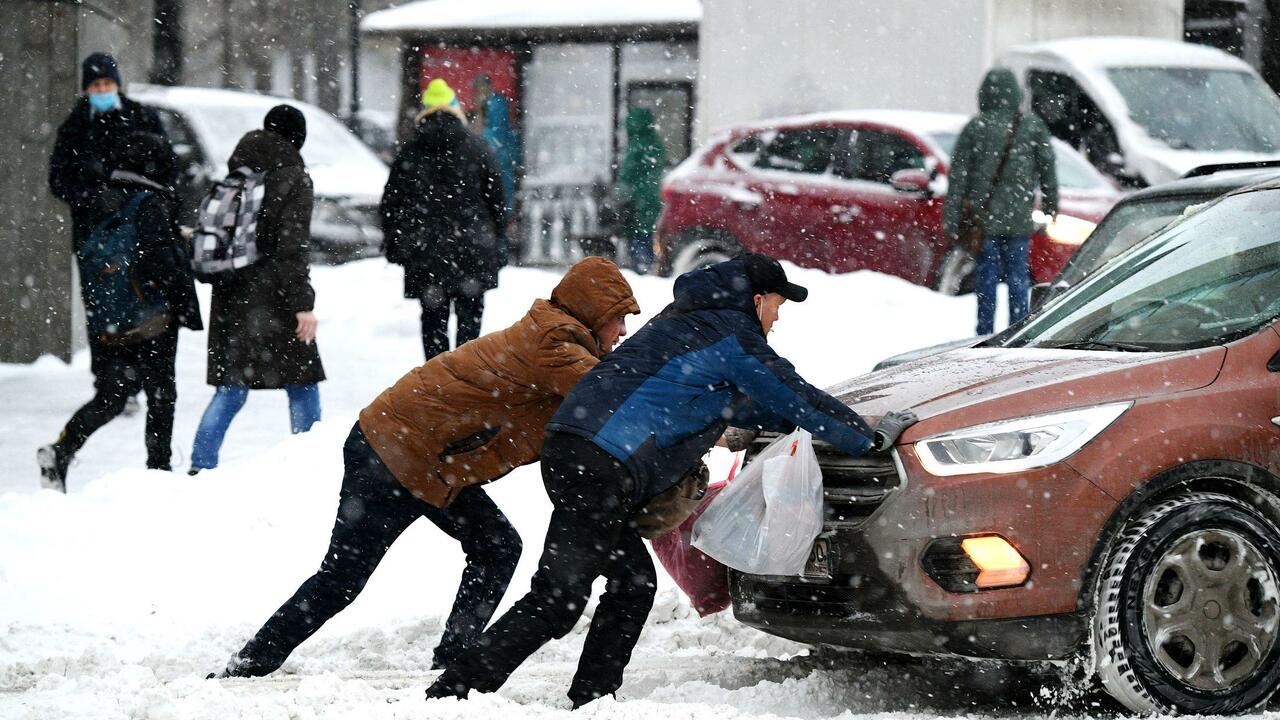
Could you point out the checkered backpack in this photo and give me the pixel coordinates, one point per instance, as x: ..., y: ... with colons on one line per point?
x: 225, y: 240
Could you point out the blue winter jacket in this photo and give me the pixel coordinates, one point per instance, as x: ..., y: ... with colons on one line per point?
x: 662, y: 399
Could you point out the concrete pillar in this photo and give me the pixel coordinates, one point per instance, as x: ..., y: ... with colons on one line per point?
x: 38, y: 45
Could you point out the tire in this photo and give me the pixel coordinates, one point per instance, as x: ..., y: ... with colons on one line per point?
x: 699, y: 253
x: 1187, y: 609
x: 955, y: 275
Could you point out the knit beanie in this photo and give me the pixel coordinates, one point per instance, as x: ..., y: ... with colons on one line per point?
x: 97, y: 66
x: 440, y: 97
x: 288, y: 122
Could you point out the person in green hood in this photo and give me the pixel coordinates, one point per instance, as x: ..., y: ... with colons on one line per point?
x: 640, y: 180
x: 1006, y: 217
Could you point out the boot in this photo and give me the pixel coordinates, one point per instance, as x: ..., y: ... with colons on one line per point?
x: 53, y: 464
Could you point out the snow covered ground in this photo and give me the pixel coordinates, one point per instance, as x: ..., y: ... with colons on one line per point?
x: 117, y: 598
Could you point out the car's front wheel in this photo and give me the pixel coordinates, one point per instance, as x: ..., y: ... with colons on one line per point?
x: 700, y: 253
x: 955, y: 275
x: 1187, y: 608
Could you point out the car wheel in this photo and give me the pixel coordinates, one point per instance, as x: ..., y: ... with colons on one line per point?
x: 955, y: 275
x: 1187, y: 609
x: 697, y: 254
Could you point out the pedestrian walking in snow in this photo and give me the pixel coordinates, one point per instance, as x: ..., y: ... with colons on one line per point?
x: 640, y: 185
x: 1002, y: 157
x: 494, y: 114
x: 80, y: 165
x: 423, y: 447
x: 262, y: 328
x: 628, y: 432
x: 444, y: 220
x: 137, y: 287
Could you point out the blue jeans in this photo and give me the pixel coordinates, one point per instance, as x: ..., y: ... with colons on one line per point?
x: 304, y: 411
x: 1003, y: 257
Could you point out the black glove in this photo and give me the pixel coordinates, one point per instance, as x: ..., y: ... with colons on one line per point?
x: 890, y: 427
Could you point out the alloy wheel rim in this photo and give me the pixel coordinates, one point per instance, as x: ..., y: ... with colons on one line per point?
x: 1210, y: 609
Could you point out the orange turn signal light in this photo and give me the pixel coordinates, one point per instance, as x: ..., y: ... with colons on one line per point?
x: 999, y: 563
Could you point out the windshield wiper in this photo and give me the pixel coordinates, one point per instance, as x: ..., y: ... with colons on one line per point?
x: 1097, y: 345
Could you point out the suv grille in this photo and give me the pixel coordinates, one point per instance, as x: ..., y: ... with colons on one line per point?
x: 853, y: 487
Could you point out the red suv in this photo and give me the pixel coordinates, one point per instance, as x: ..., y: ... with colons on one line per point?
x: 849, y: 191
x: 1098, y: 484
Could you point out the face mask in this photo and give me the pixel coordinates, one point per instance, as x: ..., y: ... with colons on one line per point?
x: 104, y: 102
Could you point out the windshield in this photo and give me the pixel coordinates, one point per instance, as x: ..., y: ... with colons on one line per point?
x: 1073, y: 171
x: 328, y: 141
x: 1208, y: 279
x: 1120, y: 230
x: 1201, y: 108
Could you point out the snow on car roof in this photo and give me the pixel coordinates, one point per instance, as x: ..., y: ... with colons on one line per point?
x: 1117, y: 51
x: 437, y: 15
x: 921, y: 121
x: 189, y: 96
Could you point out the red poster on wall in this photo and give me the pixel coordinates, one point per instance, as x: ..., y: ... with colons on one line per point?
x: 460, y: 67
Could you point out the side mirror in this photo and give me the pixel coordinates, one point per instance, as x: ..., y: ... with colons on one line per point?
x: 911, y: 181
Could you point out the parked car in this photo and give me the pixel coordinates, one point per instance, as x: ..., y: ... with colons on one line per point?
x: 204, y: 126
x: 849, y: 191
x: 1133, y: 219
x: 1146, y: 110
x: 1101, y: 485
x: 376, y: 129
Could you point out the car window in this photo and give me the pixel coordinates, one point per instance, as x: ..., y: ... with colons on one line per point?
x: 184, y: 142
x: 877, y: 155
x: 746, y: 150
x: 800, y: 151
x: 1201, y: 108
x: 1210, y: 278
x: 1120, y: 230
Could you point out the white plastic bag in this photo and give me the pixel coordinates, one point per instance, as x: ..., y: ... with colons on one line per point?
x: 765, y: 521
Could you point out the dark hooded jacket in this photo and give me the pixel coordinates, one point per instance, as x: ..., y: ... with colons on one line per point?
x: 81, y: 163
x: 1030, y: 166
x: 443, y: 211
x: 253, y: 319
x: 661, y: 400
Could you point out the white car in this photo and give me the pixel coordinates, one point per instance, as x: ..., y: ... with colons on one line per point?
x: 204, y: 126
x: 1145, y: 110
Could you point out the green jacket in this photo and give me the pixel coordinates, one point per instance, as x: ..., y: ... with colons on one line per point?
x: 1030, y: 166
x: 640, y: 176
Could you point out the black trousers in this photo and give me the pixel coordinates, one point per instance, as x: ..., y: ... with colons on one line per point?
x: 590, y: 535
x: 118, y: 374
x: 373, y: 510
x: 435, y: 320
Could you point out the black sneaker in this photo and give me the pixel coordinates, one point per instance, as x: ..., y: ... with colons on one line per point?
x: 447, y: 687
x: 53, y: 468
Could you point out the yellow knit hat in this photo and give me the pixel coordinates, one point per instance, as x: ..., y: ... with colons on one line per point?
x: 438, y: 94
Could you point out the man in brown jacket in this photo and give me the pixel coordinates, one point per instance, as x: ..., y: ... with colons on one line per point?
x: 464, y: 418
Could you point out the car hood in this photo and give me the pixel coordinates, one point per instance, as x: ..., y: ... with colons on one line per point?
x: 978, y: 385
x: 1159, y: 163
x: 361, y: 182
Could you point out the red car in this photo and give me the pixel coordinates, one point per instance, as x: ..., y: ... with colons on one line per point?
x: 850, y: 191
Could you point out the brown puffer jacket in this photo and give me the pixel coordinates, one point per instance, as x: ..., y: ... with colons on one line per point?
x: 470, y: 416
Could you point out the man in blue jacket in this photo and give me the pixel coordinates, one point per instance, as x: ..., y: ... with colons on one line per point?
x: 628, y: 431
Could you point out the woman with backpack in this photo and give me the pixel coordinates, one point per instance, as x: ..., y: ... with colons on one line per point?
x: 262, y: 329
x: 136, y: 282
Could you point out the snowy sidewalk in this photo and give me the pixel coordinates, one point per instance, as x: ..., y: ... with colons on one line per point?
x: 117, y: 599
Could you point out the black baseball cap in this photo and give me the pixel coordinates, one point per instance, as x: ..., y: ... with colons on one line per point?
x: 767, y: 276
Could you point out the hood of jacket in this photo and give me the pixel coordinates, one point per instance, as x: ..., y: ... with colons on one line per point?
x: 263, y: 150
x: 438, y: 129
x: 594, y: 292
x: 723, y: 286
x: 1000, y: 93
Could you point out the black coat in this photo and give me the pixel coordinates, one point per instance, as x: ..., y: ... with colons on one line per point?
x: 253, y: 320
x: 162, y: 259
x: 443, y: 211
x: 81, y: 164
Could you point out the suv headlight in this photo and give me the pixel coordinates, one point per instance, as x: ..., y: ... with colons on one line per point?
x: 1019, y: 444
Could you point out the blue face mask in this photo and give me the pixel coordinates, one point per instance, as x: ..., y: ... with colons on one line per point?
x: 104, y: 102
